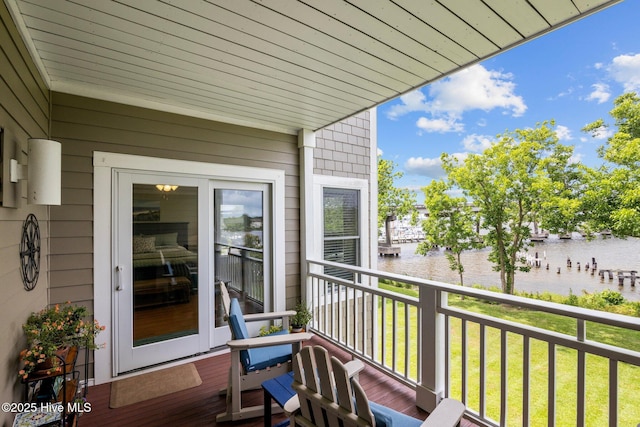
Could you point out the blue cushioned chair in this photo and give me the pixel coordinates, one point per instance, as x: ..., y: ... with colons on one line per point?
x: 255, y: 359
x: 329, y: 396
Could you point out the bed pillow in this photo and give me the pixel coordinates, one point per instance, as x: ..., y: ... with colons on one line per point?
x: 144, y: 244
x: 166, y: 239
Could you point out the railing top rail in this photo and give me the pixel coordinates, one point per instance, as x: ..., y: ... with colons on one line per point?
x: 240, y: 247
x: 406, y: 299
x: 612, y: 319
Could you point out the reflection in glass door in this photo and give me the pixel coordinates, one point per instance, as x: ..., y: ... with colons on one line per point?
x: 165, y: 262
x: 241, y: 235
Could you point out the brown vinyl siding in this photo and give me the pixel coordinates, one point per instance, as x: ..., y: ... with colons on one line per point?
x: 24, y: 113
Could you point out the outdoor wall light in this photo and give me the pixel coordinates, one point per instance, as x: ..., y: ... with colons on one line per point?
x: 43, y: 172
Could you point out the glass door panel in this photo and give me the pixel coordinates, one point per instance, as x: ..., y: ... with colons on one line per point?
x: 241, y: 261
x: 161, y: 298
x: 165, y: 262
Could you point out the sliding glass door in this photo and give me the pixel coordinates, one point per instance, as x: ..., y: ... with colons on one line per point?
x: 176, y: 239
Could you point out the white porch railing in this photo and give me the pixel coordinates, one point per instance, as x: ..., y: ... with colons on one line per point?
x: 446, y: 351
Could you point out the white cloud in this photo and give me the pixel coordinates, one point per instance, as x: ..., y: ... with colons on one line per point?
x: 602, y: 132
x: 431, y: 168
x: 474, y: 88
x: 410, y: 102
x: 563, y: 133
x: 450, y: 124
x: 600, y: 93
x: 425, y: 166
x: 625, y: 69
x: 380, y: 152
x: 576, y: 158
x: 477, y: 143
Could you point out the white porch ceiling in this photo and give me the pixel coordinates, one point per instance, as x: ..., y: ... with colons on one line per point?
x: 278, y: 65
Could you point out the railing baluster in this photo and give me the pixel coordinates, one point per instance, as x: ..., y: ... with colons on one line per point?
x: 526, y: 374
x: 582, y: 371
x: 394, y: 339
x: 503, y: 378
x: 483, y: 371
x: 613, y: 392
x: 551, y: 420
x: 447, y: 356
x: 407, y: 341
x: 339, y: 315
x: 464, y: 377
x: 580, y: 410
x: 383, y: 328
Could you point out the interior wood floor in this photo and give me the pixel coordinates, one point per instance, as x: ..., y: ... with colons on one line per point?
x: 198, y: 406
x: 167, y: 319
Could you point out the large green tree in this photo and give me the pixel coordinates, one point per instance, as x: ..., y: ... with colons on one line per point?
x: 513, y: 184
x: 392, y: 201
x: 451, y: 224
x: 612, y: 195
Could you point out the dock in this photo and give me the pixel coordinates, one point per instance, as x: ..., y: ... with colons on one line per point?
x: 389, y: 250
x: 621, y: 274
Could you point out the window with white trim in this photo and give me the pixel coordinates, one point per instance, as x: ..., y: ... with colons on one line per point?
x: 341, y: 229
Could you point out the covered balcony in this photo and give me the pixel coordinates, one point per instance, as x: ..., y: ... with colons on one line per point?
x: 418, y: 350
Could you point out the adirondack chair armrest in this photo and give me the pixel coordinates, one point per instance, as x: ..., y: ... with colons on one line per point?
x: 447, y: 413
x: 354, y: 367
x: 291, y: 405
x: 245, y: 344
x: 255, y: 317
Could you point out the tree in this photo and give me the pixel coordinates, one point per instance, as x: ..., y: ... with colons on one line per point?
x: 612, y: 198
x: 392, y: 201
x: 514, y: 183
x: 451, y: 224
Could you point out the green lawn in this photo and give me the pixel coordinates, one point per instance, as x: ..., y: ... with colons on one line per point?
x: 566, y: 365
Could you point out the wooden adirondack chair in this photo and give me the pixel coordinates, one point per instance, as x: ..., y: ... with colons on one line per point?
x: 254, y: 360
x: 327, y: 396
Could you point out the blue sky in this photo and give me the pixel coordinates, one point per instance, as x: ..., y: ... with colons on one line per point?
x: 571, y: 75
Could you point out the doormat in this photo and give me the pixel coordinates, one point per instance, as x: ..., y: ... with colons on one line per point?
x: 154, y: 384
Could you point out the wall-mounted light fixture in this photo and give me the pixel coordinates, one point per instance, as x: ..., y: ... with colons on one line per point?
x: 43, y: 172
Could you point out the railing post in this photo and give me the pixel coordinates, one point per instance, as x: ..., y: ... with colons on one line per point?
x: 430, y: 389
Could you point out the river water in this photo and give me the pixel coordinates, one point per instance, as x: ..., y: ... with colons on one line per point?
x: 609, y: 253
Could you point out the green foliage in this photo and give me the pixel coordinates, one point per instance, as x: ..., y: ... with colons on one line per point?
x: 392, y: 200
x: 451, y: 223
x: 526, y: 176
x: 264, y: 331
x: 612, y: 196
x: 53, y: 328
x: 303, y: 315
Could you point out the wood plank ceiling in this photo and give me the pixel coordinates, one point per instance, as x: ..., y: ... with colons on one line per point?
x: 278, y: 65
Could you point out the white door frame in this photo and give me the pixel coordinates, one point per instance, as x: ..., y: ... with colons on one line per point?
x: 104, y: 268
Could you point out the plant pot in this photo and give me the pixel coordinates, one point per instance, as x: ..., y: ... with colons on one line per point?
x: 64, y: 355
x: 297, y: 328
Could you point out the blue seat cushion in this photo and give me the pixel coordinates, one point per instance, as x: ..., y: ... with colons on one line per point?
x: 256, y: 358
x: 387, y: 417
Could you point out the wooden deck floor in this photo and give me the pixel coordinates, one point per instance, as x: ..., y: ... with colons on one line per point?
x: 198, y: 406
